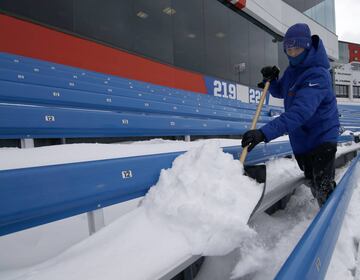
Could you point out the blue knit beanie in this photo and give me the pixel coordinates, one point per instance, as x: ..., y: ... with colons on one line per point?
x: 298, y: 36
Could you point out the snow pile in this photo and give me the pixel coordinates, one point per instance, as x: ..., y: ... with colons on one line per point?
x: 262, y: 256
x: 206, y: 197
x: 275, y: 234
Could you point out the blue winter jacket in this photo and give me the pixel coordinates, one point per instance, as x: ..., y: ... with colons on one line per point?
x: 311, y: 115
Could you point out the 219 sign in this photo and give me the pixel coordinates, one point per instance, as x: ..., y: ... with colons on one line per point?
x: 223, y: 89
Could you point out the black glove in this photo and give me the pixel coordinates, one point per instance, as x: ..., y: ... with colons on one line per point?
x: 261, y: 85
x: 252, y: 138
x: 269, y: 73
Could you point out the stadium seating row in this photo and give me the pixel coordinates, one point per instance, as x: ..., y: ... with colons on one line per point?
x: 45, y: 100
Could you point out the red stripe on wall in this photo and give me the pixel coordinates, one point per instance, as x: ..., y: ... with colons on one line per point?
x: 32, y: 40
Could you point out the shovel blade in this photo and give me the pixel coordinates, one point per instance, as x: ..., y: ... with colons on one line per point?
x: 257, y: 172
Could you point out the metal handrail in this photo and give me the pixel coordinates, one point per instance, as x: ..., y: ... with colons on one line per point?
x: 311, y: 256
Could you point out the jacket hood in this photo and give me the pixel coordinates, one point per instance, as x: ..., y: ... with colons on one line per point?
x: 317, y: 55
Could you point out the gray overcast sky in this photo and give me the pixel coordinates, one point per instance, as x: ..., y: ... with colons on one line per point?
x: 348, y: 20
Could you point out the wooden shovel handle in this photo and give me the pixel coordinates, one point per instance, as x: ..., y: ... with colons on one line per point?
x: 255, y: 119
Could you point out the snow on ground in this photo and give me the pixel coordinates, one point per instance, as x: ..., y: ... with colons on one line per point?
x: 262, y: 257
x: 185, y: 213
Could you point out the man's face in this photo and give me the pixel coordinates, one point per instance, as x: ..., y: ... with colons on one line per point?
x: 294, y: 52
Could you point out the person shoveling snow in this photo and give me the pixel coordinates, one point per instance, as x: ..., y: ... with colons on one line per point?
x: 311, y: 116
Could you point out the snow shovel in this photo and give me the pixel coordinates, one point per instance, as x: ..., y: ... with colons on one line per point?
x: 273, y: 189
x: 257, y: 172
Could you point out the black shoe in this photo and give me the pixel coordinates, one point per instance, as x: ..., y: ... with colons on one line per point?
x: 324, y: 192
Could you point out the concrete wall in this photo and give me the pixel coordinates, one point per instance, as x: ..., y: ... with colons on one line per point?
x: 279, y: 16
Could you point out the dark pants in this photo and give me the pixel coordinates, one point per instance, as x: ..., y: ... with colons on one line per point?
x: 319, y: 167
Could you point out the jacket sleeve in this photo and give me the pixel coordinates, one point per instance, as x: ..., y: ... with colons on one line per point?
x: 275, y: 88
x: 306, y: 101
